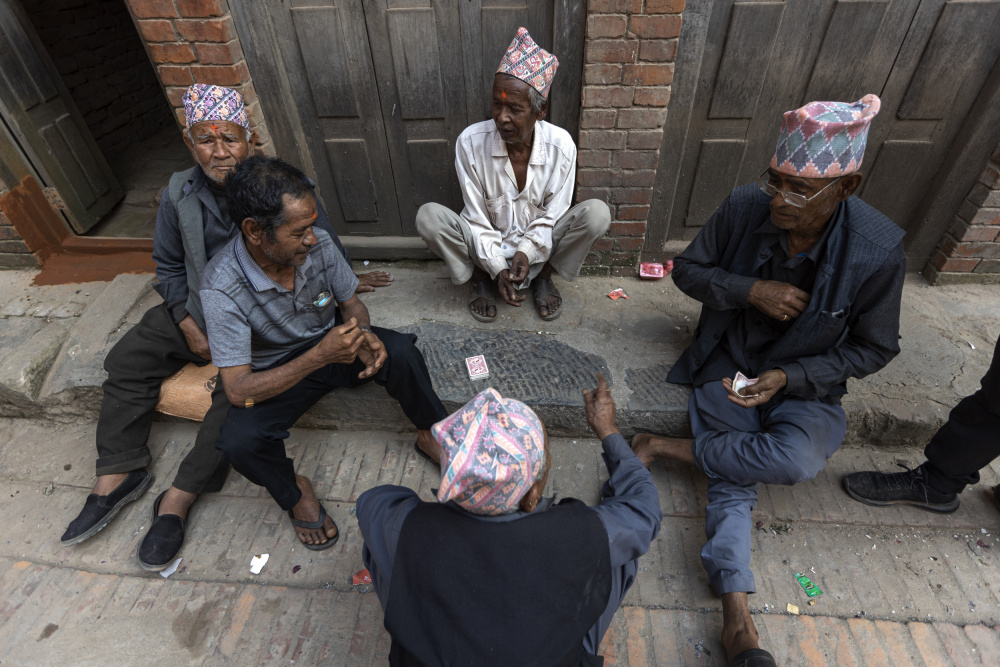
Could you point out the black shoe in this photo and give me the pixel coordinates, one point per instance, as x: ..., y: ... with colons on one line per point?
x: 164, y: 539
x: 901, y: 488
x: 98, y: 511
x: 755, y: 657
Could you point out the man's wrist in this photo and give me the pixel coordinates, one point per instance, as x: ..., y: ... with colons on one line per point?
x: 605, y: 432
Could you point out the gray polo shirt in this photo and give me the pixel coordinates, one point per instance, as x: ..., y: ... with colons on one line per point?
x: 253, y: 320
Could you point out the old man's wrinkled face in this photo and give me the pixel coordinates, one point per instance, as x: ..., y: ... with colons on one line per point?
x: 820, y: 199
x: 218, y: 145
x: 512, y: 109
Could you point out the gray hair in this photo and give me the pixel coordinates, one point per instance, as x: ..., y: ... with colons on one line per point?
x: 536, y: 98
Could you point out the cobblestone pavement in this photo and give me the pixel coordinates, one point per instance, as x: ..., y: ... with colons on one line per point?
x: 901, y: 586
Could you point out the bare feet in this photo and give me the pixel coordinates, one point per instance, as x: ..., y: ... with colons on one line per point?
x: 108, y: 483
x: 177, y: 502
x: 307, y: 509
x: 482, y: 286
x: 429, y: 446
x: 649, y: 447
x: 738, y: 630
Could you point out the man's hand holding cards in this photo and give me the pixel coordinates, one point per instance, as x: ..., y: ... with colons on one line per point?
x: 751, y: 392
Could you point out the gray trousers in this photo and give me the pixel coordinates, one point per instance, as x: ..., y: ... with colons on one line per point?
x: 737, y: 448
x: 449, y: 237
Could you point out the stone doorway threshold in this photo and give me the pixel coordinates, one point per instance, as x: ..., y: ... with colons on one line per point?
x: 144, y: 170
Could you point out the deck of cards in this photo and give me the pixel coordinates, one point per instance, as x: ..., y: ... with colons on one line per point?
x: 478, y: 370
x: 741, y: 381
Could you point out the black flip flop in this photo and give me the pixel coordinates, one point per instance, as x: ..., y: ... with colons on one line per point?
x: 422, y: 453
x: 755, y: 657
x: 316, y: 525
x: 543, y: 287
x: 481, y: 289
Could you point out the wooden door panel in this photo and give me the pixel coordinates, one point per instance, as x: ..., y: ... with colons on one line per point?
x: 331, y: 79
x: 750, y: 38
x: 718, y: 165
x: 413, y: 39
x: 960, y: 53
x: 49, y: 128
x: 852, y: 30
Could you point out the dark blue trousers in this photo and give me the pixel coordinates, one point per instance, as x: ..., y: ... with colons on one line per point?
x: 253, y: 439
x: 780, y: 442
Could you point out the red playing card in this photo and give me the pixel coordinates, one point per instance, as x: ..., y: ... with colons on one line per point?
x: 477, y: 367
x: 617, y: 294
x: 361, y: 577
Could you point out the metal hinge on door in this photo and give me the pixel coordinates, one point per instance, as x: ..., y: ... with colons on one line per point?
x: 58, y: 205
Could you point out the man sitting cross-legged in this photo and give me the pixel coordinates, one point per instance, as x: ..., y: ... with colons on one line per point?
x: 516, y: 172
x: 271, y: 297
x: 801, y: 284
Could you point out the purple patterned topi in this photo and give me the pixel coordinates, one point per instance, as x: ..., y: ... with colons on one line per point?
x: 207, y: 102
x: 492, y: 451
x: 529, y: 63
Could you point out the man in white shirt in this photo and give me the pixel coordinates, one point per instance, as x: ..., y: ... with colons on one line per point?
x: 517, y: 173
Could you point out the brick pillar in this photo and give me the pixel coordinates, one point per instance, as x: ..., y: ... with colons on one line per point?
x: 195, y: 41
x: 14, y: 252
x: 969, y: 252
x: 628, y: 67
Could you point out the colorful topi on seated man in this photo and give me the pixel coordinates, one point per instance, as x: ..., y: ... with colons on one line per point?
x: 516, y: 173
x: 192, y: 225
x: 801, y: 284
x: 271, y: 299
x: 494, y: 573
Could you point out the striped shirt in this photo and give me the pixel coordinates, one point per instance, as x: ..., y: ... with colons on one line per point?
x: 253, y: 320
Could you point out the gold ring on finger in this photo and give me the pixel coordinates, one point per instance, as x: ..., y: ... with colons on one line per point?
x: 784, y: 317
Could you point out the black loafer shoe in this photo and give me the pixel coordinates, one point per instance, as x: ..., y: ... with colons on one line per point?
x: 98, y: 511
x: 755, y: 657
x: 164, y: 539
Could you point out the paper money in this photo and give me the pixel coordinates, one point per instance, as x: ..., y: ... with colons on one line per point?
x: 742, y: 381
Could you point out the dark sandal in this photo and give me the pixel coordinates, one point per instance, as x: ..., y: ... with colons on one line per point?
x: 422, y: 453
x: 481, y: 289
x: 316, y: 525
x: 163, y: 541
x: 755, y: 657
x: 542, y: 288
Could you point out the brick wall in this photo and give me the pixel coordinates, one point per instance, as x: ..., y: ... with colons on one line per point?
x: 628, y: 67
x: 14, y: 253
x: 970, y: 250
x: 193, y: 41
x: 97, y: 52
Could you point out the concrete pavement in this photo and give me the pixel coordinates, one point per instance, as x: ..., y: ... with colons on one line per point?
x: 59, y: 336
x: 901, y: 586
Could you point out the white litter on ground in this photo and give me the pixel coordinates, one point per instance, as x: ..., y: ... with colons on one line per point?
x: 257, y: 563
x: 170, y: 569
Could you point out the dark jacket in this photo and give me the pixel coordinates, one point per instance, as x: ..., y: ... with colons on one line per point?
x: 851, y: 327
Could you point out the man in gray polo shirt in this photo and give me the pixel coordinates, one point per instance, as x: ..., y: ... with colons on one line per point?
x: 271, y: 298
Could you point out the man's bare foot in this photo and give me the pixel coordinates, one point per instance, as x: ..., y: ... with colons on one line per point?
x: 429, y: 446
x: 649, y: 447
x: 482, y: 306
x: 307, y: 509
x: 108, y: 483
x: 738, y: 630
x: 177, y: 502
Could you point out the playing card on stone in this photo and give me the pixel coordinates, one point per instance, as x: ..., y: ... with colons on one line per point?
x: 477, y: 367
x: 741, y: 381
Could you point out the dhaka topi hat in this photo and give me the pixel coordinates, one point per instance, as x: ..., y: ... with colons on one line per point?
x: 492, y: 451
x: 824, y: 139
x: 529, y: 63
x: 203, y: 101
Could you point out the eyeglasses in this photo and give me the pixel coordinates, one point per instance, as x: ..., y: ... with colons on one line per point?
x: 790, y: 198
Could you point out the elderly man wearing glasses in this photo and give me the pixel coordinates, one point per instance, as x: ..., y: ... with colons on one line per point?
x: 801, y: 284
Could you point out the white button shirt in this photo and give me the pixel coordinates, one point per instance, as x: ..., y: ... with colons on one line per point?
x: 503, y: 220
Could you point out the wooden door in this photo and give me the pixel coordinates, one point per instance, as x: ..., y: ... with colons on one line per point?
x: 50, y: 131
x: 370, y: 95
x: 742, y: 64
